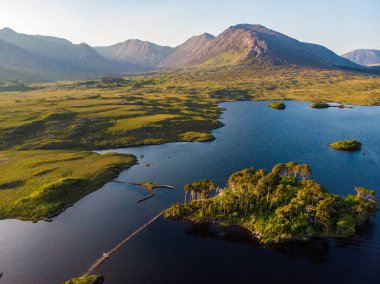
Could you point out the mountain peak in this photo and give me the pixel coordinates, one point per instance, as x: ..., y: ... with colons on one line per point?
x: 185, y: 52
x: 204, y: 36
x: 7, y: 30
x: 134, y: 40
x: 249, y: 27
x: 140, y: 42
x: 207, y: 36
x: 257, y: 29
x: 252, y: 44
x: 137, y: 52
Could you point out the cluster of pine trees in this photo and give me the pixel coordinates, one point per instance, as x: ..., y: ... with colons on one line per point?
x: 284, y: 204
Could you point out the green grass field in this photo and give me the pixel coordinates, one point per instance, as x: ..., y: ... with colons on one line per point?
x: 37, y: 183
x: 46, y: 132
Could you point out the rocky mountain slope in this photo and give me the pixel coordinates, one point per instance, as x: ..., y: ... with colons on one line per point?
x: 185, y: 53
x: 136, y: 52
x: 255, y: 44
x: 366, y: 57
x: 50, y: 58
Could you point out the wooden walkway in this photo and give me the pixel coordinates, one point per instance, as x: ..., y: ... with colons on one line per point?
x: 101, y: 259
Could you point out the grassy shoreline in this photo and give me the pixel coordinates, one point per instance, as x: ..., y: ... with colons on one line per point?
x: 39, y: 184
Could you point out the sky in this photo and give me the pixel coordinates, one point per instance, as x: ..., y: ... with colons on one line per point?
x: 341, y: 25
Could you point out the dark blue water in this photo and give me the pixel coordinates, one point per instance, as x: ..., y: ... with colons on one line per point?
x: 167, y: 251
x: 255, y: 135
x: 258, y: 136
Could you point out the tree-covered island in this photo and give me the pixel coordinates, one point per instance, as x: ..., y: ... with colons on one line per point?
x: 277, y: 206
x: 346, y: 145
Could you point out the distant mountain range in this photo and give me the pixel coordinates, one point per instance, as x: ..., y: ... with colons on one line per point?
x: 36, y: 57
x: 253, y: 44
x: 134, y: 51
x: 366, y: 57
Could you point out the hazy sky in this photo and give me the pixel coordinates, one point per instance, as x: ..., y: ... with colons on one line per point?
x: 341, y: 25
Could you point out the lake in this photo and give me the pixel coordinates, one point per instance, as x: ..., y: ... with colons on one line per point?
x: 169, y: 251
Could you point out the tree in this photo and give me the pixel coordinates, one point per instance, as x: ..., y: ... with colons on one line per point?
x: 271, y: 181
x: 199, y: 189
x: 305, y: 171
x: 186, y: 189
x: 345, y: 225
x: 279, y: 169
x: 310, y: 193
x: 236, y: 177
x: 325, y: 209
x: 204, y: 187
x: 367, y: 203
x: 289, y: 168
x: 189, y: 188
x: 367, y: 198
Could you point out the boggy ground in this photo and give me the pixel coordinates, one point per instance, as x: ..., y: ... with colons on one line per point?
x: 38, y: 183
x: 47, y: 130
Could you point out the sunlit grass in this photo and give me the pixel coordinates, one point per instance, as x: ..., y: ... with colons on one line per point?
x: 137, y: 122
x: 44, y: 132
x: 36, y: 183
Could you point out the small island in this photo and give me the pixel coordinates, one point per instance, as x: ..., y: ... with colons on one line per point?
x: 277, y: 206
x: 319, y: 105
x: 346, y: 145
x: 326, y: 105
x: 277, y: 105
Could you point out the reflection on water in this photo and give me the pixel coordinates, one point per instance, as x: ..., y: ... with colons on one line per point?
x: 315, y: 250
x: 182, y: 252
x: 225, y: 233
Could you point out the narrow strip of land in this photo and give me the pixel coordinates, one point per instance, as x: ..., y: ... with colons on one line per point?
x: 101, y: 259
x: 146, y: 197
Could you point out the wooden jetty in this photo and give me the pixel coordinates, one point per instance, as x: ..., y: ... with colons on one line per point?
x: 106, y: 255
